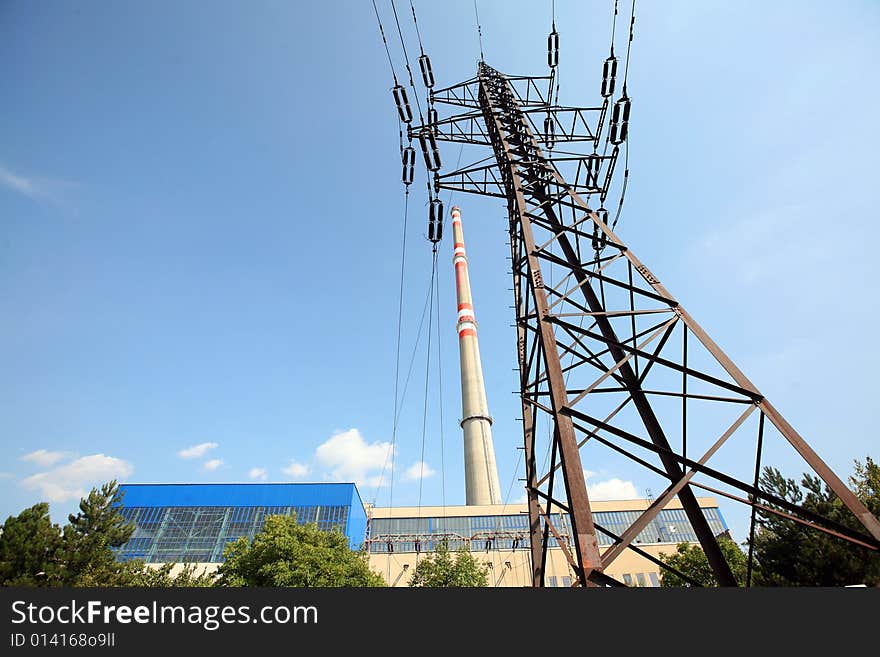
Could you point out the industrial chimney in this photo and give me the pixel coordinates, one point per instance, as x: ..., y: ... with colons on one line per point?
x: 480, y: 471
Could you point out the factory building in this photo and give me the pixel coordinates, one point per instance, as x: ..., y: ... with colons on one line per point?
x: 192, y: 523
x: 498, y: 536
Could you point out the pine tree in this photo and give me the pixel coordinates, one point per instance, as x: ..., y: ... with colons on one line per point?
x: 31, y: 549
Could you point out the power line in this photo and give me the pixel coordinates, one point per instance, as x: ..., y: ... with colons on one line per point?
x: 385, y: 41
x: 406, y: 59
x: 479, y: 30
x: 416, y: 23
x: 398, y: 406
x: 632, y: 24
x: 440, y: 400
x: 427, y: 376
x: 623, y: 187
x: 613, y: 27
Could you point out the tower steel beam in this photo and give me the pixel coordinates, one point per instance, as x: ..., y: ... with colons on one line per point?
x: 612, y: 320
x: 493, y: 89
x: 583, y: 531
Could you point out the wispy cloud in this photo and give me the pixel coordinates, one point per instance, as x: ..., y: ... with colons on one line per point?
x: 612, y: 489
x: 196, y: 451
x: 212, y: 465
x: 418, y: 470
x: 295, y: 470
x: 258, y: 473
x: 17, y: 183
x: 35, y: 188
x: 607, y: 489
x: 44, y: 458
x: 71, y: 480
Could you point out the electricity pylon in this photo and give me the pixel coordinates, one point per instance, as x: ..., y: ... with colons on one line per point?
x: 603, y: 346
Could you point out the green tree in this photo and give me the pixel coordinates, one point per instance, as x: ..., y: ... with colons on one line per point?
x: 90, y: 536
x: 35, y: 552
x: 286, y: 553
x: 439, y: 569
x: 791, y: 554
x: 690, y: 560
x: 136, y: 573
x: 162, y: 577
x: 30, y: 549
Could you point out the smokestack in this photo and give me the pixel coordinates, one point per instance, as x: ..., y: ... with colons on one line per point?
x: 480, y: 471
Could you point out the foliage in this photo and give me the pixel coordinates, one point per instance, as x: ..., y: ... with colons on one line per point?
x: 791, y: 554
x: 439, y: 569
x: 136, y: 573
x: 90, y: 536
x: 162, y: 577
x: 286, y: 553
x: 788, y: 553
x: 691, y: 561
x: 30, y: 549
x: 35, y: 552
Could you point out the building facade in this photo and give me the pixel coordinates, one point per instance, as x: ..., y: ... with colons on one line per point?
x: 498, y: 536
x: 192, y: 523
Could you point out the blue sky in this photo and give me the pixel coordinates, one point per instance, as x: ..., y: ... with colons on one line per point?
x: 200, y: 227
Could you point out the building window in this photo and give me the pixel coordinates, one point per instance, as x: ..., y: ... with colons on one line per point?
x: 655, y: 580
x: 200, y: 533
x: 640, y: 578
x: 551, y: 581
x: 627, y: 579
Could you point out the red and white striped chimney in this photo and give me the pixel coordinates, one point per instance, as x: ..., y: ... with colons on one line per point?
x: 481, y: 473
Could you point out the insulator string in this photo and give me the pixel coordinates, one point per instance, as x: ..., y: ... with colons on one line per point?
x: 412, y: 83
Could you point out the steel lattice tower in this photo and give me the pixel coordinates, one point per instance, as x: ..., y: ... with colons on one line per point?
x: 604, y: 346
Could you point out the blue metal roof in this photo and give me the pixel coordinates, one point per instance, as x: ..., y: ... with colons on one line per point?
x: 254, y: 495
x: 153, y: 495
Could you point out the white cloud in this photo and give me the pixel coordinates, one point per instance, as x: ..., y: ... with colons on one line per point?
x: 20, y: 184
x: 44, y: 458
x: 418, y: 470
x: 36, y: 189
x: 295, y: 470
x: 349, y: 458
x: 73, y: 479
x: 612, y: 489
x: 196, y: 451
x: 258, y: 473
x: 212, y: 465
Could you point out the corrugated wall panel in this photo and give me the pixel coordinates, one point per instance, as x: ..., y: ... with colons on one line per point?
x: 146, y: 495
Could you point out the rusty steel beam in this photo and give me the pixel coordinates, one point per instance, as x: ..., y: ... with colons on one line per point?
x: 689, y: 501
x: 549, y: 225
x: 651, y: 512
x: 586, y: 543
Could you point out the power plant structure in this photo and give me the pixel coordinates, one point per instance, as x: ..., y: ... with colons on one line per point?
x: 611, y: 365
x: 480, y: 471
